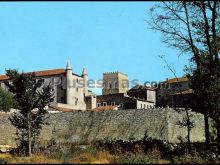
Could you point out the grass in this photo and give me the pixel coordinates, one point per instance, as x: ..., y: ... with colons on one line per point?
x: 91, y: 155
x: 101, y: 158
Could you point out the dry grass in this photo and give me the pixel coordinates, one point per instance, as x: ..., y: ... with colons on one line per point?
x: 100, y: 158
x: 92, y: 156
x: 27, y: 160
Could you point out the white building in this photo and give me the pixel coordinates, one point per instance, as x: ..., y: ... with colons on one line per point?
x: 70, y: 90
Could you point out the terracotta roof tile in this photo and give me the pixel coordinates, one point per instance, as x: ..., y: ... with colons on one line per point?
x: 180, y: 79
x: 3, y: 77
x: 49, y: 72
x: 106, y: 108
x: 189, y: 91
x: 40, y: 73
x: 60, y: 108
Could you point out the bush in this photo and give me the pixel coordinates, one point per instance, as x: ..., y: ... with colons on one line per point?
x: 141, y: 146
x: 194, y: 158
x: 2, y: 162
x: 132, y: 159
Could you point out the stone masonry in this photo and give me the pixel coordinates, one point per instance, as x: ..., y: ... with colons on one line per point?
x: 81, y: 126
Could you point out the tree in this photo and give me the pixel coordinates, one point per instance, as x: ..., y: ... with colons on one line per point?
x: 6, y: 101
x: 32, y: 96
x: 187, y: 119
x: 193, y: 28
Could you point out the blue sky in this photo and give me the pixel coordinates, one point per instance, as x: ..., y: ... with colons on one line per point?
x: 103, y: 36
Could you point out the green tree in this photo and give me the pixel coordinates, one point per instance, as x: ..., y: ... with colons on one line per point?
x: 32, y: 96
x: 193, y: 28
x: 6, y: 101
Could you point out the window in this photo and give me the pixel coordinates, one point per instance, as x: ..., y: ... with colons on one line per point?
x: 77, y: 89
x: 141, y: 106
x: 116, y: 84
x: 62, y: 99
x: 110, y: 86
x: 76, y: 101
x: 112, y: 103
x: 98, y: 104
x: 121, y: 105
x: 104, y: 103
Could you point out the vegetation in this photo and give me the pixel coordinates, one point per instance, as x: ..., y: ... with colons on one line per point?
x: 6, y: 101
x: 193, y: 28
x: 31, y: 97
x: 93, y: 154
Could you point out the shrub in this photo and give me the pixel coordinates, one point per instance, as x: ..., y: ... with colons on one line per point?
x: 194, y: 158
x: 132, y: 159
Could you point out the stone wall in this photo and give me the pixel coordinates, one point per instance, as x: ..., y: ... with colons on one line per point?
x: 81, y: 126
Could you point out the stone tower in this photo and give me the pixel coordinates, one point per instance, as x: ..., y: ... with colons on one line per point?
x: 114, y: 82
x: 85, y: 79
x: 69, y: 84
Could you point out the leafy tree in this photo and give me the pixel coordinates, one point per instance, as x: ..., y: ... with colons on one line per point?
x: 32, y: 96
x: 193, y: 28
x: 6, y: 101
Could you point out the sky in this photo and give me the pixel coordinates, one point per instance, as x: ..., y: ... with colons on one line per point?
x: 102, y: 36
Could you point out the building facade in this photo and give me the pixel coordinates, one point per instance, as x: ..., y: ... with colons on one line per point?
x: 70, y: 90
x: 123, y: 101
x: 116, y: 93
x: 143, y: 92
x: 175, y: 92
x: 114, y: 82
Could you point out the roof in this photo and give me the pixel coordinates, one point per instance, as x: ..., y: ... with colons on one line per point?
x: 116, y: 72
x: 139, y: 99
x: 3, y: 77
x: 179, y: 79
x: 49, y: 72
x: 40, y: 73
x: 141, y: 87
x: 111, y: 94
x: 56, y: 108
x: 189, y: 91
x: 104, y: 108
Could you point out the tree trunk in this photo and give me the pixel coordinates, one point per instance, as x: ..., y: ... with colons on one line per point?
x: 218, y: 136
x: 29, y: 135
x: 188, y: 130
x: 207, y: 139
x: 188, y: 139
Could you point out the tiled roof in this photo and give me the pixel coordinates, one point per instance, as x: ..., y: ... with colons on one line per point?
x: 142, y: 87
x: 49, y: 72
x: 56, y: 108
x: 189, y: 91
x: 40, y: 73
x: 3, y: 77
x: 179, y: 79
x: 105, y: 108
x: 134, y: 98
